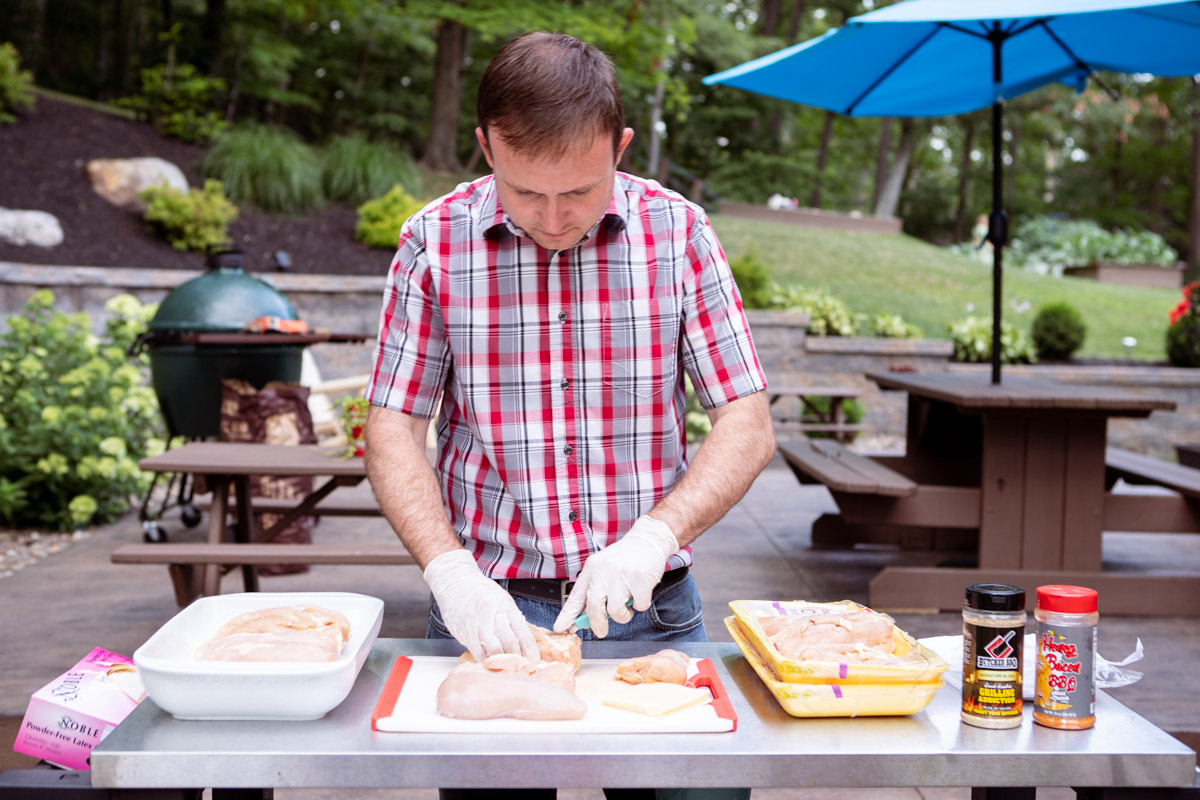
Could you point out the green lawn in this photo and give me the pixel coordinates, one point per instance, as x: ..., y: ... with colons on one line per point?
x: 930, y: 287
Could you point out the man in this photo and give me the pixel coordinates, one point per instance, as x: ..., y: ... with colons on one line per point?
x: 553, y: 308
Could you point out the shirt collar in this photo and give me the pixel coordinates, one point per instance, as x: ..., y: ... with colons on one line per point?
x: 497, y: 223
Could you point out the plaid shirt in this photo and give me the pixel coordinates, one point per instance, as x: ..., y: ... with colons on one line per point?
x: 560, y: 374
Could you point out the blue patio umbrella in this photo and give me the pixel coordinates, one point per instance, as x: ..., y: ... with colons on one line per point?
x: 928, y: 58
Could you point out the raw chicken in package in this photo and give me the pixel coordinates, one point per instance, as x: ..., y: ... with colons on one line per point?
x: 835, y: 659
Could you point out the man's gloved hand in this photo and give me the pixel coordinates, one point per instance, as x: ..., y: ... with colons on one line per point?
x: 480, y: 614
x: 630, y: 568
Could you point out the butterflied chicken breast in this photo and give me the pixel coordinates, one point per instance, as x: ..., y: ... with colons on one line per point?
x: 665, y: 666
x: 471, y: 691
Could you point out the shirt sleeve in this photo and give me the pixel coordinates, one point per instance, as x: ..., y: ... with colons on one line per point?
x: 412, y: 358
x: 718, y: 351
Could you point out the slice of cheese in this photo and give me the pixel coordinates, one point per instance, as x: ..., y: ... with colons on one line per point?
x: 655, y: 699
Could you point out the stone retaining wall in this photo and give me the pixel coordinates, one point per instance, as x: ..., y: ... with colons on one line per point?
x: 788, y: 355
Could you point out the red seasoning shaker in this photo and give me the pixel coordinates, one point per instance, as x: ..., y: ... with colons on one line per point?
x: 1065, y: 694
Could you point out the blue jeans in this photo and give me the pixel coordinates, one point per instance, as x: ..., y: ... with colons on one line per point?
x: 674, y: 615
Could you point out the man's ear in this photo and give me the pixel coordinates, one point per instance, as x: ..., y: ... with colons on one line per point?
x: 481, y: 137
x: 626, y: 138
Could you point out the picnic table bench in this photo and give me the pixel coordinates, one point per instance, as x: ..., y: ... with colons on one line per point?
x: 195, y: 568
x: 803, y: 415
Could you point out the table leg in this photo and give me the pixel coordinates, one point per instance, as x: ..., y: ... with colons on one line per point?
x: 1002, y: 483
x: 216, y: 531
x: 247, y: 529
x: 1004, y: 793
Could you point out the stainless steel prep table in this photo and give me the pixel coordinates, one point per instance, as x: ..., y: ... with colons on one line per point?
x: 768, y: 749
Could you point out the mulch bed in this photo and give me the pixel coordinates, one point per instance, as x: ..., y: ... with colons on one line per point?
x: 44, y: 154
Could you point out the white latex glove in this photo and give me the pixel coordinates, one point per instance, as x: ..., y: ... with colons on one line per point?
x: 631, y: 567
x: 480, y: 614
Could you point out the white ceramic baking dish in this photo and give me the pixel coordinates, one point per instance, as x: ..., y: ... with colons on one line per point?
x: 188, y: 688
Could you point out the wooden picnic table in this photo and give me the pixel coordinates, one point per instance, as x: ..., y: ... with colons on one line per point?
x: 806, y: 416
x: 226, y: 464
x: 1023, y: 462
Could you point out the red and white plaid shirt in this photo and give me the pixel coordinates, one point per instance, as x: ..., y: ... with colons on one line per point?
x: 560, y: 374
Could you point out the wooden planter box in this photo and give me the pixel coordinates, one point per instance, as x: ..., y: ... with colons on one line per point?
x: 1132, y: 274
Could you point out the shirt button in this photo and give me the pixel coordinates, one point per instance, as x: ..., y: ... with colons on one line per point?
x: 567, y: 450
x: 562, y: 316
x: 565, y: 383
x: 572, y: 516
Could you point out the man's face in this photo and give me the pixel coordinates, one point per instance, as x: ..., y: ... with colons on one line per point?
x: 555, y: 200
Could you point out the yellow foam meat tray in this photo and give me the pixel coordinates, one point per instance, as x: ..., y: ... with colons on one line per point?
x: 914, y: 662
x: 837, y: 699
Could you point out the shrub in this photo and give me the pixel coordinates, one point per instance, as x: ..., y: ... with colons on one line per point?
x: 852, y: 412
x: 1048, y: 245
x: 1058, y: 330
x: 827, y: 315
x: 972, y: 339
x: 181, y: 107
x: 268, y: 167
x: 190, y: 221
x: 355, y: 170
x: 75, y: 415
x: 1183, y: 333
x: 893, y: 326
x: 753, y: 279
x: 696, y: 421
x: 380, y: 220
x: 15, y: 84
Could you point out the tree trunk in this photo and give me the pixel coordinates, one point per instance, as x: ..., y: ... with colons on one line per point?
x: 964, y: 182
x: 822, y: 158
x: 100, y: 65
x: 235, y: 82
x: 212, y: 30
x: 441, y: 150
x: 120, y: 59
x: 775, y: 123
x: 772, y: 10
x: 882, y: 159
x: 889, y: 197
x: 1193, y: 267
x: 793, y: 32
x: 656, y: 107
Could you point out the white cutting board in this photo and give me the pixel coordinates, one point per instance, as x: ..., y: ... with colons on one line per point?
x: 408, y: 704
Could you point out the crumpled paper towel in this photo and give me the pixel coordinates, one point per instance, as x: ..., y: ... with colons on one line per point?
x: 1109, y: 674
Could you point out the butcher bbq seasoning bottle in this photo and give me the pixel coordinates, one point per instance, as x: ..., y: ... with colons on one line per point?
x: 1065, y: 693
x: 993, y: 629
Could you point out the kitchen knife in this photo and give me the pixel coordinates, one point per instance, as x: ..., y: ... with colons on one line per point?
x: 582, y: 620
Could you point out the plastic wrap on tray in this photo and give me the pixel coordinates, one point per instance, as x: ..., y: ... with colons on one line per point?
x: 836, y: 699
x: 910, y: 662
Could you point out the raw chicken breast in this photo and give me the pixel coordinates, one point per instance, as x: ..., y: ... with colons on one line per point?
x: 856, y: 636
x: 289, y: 633
x: 471, y: 691
x: 665, y: 666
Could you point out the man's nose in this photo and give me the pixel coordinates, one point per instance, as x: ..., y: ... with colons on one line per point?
x: 554, y: 210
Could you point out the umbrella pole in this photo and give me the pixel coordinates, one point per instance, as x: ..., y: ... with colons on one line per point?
x: 997, y: 232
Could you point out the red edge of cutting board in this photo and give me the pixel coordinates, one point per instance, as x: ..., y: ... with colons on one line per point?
x: 706, y: 676
x: 390, y: 695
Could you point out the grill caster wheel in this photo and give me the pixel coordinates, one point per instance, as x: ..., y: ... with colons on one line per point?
x: 152, y: 533
x: 190, y: 515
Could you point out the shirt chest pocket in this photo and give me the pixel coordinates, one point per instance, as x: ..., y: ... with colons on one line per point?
x: 639, y: 341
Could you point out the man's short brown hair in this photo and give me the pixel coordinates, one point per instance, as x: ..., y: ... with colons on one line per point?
x: 545, y: 92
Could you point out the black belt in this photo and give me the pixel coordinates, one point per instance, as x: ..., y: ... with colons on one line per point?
x: 556, y: 591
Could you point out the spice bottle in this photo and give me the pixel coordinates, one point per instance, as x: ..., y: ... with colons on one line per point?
x: 1065, y: 693
x: 993, y: 630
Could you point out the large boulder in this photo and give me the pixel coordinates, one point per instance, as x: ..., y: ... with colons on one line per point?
x: 30, y: 227
x: 118, y: 180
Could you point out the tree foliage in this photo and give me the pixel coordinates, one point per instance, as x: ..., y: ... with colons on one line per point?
x: 327, y: 68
